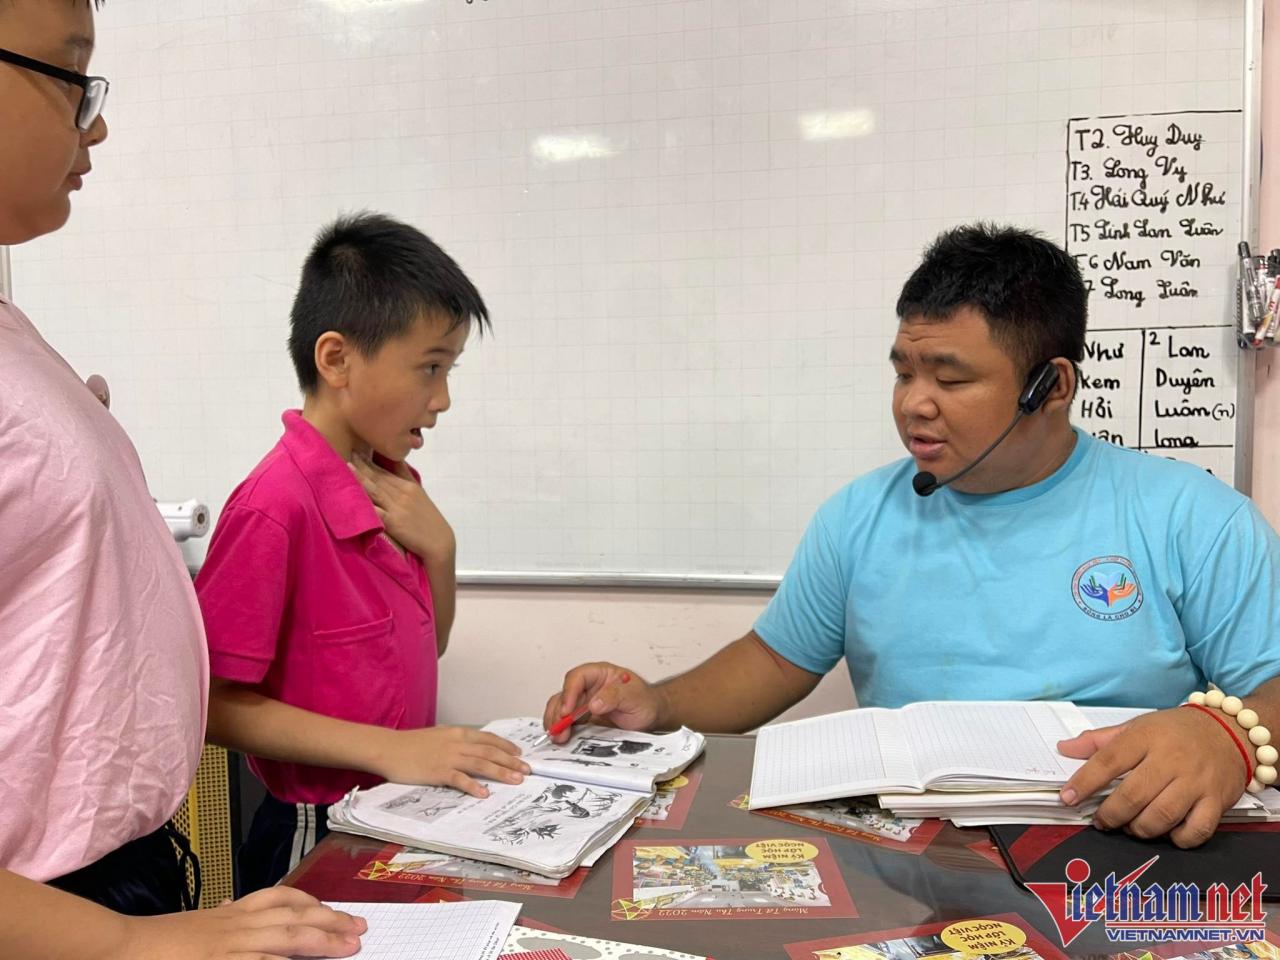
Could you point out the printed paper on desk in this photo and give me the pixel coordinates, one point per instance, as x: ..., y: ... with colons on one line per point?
x: 670, y: 807
x: 524, y: 938
x: 472, y: 930
x: 755, y: 878
x: 858, y: 818
x: 1006, y: 936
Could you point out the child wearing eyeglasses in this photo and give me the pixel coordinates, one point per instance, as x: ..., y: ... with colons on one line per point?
x: 105, y: 671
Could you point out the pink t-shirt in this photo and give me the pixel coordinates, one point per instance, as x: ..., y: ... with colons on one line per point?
x: 305, y: 597
x: 103, y: 671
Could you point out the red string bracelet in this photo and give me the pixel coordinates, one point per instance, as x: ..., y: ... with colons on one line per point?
x: 1244, y: 754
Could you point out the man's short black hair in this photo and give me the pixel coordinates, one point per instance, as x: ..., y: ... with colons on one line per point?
x: 369, y: 277
x: 1028, y: 288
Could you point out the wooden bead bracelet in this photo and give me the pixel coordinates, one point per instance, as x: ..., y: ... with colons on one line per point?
x: 1263, y: 772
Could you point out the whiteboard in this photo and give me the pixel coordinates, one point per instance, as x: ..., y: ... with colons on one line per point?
x: 690, y: 219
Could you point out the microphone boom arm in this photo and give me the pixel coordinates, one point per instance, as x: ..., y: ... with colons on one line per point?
x: 925, y: 483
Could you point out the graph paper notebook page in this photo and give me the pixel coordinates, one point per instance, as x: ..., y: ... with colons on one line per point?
x: 583, y: 795
x: 472, y: 930
x: 956, y: 794
x: 951, y: 745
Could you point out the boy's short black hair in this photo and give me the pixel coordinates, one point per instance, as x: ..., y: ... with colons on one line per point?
x: 1028, y: 288
x: 96, y: 4
x: 369, y: 277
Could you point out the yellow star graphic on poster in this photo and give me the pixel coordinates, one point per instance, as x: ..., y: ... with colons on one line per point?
x: 629, y: 910
x: 378, y: 870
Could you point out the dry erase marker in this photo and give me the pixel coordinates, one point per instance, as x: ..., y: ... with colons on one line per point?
x: 1251, y: 309
x: 569, y: 719
x: 1272, y: 319
x: 1271, y: 294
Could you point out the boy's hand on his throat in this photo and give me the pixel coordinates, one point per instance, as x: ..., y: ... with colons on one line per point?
x: 406, y: 511
x: 449, y: 757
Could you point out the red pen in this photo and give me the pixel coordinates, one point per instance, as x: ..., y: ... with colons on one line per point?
x: 569, y: 719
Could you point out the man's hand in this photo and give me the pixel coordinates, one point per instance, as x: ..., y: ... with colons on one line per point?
x: 278, y: 922
x: 1181, y: 772
x: 629, y: 705
x: 406, y: 511
x: 448, y: 756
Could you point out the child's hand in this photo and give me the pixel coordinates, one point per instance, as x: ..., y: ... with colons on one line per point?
x: 97, y: 384
x: 276, y: 922
x: 406, y: 511
x: 450, y: 757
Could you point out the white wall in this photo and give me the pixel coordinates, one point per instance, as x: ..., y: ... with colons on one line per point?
x: 511, y: 646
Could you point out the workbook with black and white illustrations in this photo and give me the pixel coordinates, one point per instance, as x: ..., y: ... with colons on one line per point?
x: 932, y: 745
x: 581, y: 797
x: 602, y: 755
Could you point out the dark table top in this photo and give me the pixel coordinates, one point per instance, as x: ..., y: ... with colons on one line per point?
x: 940, y: 876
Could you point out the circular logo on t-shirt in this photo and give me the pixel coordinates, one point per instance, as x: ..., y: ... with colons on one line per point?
x: 1107, y: 588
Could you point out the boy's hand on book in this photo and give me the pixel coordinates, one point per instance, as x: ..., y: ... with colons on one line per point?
x: 1181, y: 773
x: 404, y: 508
x: 276, y: 922
x: 449, y: 757
x: 630, y: 705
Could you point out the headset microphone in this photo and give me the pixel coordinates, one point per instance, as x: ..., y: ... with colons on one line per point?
x: 1039, y: 385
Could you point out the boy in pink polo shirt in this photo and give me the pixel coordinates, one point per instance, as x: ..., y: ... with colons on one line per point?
x: 102, y: 689
x: 328, y: 590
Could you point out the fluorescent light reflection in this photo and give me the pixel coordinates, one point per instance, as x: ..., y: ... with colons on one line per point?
x: 357, y: 6
x: 836, y: 124
x: 559, y: 148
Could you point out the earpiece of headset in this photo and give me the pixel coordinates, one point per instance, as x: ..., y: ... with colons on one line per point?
x: 1039, y: 385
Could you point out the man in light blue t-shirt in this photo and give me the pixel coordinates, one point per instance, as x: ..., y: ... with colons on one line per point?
x: 1051, y: 566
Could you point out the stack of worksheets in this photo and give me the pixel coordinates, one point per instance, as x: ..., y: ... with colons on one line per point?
x: 582, y: 796
x: 984, y: 809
